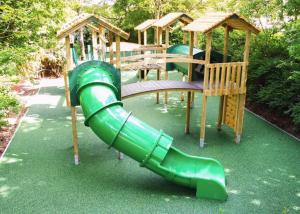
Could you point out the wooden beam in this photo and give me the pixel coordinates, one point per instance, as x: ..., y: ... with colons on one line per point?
x: 188, y: 110
x: 184, y: 38
x: 139, y: 38
x: 167, y: 38
x: 82, y: 47
x: 118, y: 51
x: 225, y: 55
x: 242, y: 97
x: 95, y: 44
x: 145, y: 37
x: 68, y: 67
x: 204, y: 97
x: 74, y: 134
x: 111, y: 50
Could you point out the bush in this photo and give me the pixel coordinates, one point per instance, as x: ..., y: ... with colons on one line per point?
x: 8, y: 103
x: 274, y: 77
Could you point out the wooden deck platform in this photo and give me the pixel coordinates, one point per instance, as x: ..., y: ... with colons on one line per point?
x: 140, y: 88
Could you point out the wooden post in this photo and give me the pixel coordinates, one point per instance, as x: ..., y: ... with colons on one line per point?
x: 242, y: 97
x: 195, y: 39
x: 139, y: 37
x: 204, y: 98
x: 145, y: 37
x: 74, y: 134
x: 188, y: 110
x: 145, y: 43
x: 95, y: 44
x: 67, y: 69
x: 222, y: 98
x: 111, y: 50
x: 184, y: 38
x: 118, y: 52
x: 158, y: 78
x: 82, y: 48
x: 167, y: 37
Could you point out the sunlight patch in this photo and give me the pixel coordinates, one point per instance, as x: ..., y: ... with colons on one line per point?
x: 256, y: 202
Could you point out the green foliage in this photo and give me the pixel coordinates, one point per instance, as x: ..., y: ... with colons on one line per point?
x: 8, y: 103
x: 26, y: 26
x: 273, y: 77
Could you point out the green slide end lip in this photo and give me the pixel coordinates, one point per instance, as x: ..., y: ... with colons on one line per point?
x: 97, y: 92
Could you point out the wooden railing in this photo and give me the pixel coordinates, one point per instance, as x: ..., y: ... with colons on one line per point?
x: 225, y: 79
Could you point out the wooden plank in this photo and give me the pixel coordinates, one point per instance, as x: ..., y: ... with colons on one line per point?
x: 211, y: 79
x: 217, y: 82
x: 82, y: 47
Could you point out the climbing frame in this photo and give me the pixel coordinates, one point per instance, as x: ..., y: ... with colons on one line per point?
x: 227, y: 79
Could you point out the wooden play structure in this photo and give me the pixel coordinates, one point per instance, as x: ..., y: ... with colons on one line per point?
x: 226, y: 80
x: 104, y: 29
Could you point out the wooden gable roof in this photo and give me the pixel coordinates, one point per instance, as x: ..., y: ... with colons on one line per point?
x: 145, y: 25
x: 210, y: 21
x: 171, y: 18
x: 85, y: 19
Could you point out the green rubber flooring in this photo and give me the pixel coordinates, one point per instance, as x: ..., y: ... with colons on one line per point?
x: 37, y: 173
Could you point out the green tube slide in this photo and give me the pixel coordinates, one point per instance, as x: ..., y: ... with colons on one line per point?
x: 95, y: 86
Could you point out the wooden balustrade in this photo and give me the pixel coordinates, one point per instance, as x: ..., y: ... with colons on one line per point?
x: 225, y: 79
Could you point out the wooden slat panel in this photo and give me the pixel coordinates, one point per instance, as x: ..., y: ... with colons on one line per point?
x: 217, y: 88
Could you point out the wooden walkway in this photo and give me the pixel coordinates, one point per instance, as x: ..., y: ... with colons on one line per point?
x: 140, y: 88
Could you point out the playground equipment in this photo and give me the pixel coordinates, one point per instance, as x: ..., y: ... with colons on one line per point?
x: 96, y: 86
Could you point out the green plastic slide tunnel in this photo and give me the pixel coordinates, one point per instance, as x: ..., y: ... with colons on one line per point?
x: 96, y: 86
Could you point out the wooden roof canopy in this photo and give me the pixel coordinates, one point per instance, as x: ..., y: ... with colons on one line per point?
x: 210, y: 21
x: 145, y: 25
x: 171, y: 18
x: 85, y: 19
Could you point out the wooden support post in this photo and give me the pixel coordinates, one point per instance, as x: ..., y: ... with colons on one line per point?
x: 145, y: 37
x: 67, y: 68
x: 222, y: 97
x: 184, y: 38
x: 95, y: 44
x: 167, y: 37
x: 242, y: 97
x: 182, y: 93
x: 195, y: 39
x: 74, y: 134
x: 118, y: 51
x: 188, y: 110
x: 145, y: 43
x: 204, y: 98
x: 158, y: 78
x: 82, y: 47
x: 111, y: 50
x: 139, y: 38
